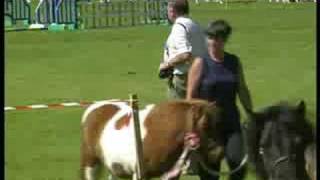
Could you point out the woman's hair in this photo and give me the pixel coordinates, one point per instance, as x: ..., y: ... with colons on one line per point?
x: 180, y: 6
x: 219, y: 29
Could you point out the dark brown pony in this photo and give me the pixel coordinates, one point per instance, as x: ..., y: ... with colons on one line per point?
x: 277, y: 138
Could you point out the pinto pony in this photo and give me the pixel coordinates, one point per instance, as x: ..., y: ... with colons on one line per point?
x: 108, y: 136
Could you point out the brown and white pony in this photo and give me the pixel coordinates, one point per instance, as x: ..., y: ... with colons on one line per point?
x: 108, y: 137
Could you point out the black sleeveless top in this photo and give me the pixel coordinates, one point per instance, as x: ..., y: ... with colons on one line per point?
x: 219, y: 83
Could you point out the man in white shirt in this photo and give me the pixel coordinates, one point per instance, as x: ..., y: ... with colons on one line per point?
x: 185, y: 42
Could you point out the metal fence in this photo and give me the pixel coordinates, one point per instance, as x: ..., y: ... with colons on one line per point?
x: 117, y: 14
x: 56, y: 11
x: 17, y: 10
x: 88, y: 14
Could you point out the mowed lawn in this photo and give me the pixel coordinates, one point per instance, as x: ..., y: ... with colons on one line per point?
x: 276, y: 44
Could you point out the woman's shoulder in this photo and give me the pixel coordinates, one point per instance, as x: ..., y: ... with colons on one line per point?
x: 232, y: 59
x: 231, y: 56
x: 197, y: 65
x: 198, y: 60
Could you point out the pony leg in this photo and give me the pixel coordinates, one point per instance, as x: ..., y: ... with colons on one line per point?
x: 90, y: 164
x: 89, y: 173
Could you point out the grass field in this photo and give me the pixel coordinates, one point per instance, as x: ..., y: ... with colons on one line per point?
x: 275, y: 42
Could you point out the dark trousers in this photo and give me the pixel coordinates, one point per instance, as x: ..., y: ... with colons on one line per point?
x: 233, y: 155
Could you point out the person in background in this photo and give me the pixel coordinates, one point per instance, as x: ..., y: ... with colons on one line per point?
x: 218, y: 78
x: 185, y: 41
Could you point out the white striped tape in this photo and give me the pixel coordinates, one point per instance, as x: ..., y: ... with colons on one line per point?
x: 61, y: 105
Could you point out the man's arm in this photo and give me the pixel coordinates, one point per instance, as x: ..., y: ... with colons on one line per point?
x: 183, y: 46
x: 179, y: 59
x: 244, y: 93
x: 185, y: 57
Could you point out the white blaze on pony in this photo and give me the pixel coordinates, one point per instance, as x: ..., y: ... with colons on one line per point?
x: 108, y: 136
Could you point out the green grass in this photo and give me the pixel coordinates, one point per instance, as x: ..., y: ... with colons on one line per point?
x: 276, y: 44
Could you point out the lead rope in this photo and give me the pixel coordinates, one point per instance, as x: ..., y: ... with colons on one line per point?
x: 192, y: 145
x: 243, y: 162
x: 244, y: 146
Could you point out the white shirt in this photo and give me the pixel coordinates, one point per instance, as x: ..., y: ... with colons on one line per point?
x: 185, y: 36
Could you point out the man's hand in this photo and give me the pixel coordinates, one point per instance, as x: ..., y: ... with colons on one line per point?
x: 165, y: 70
x: 165, y: 65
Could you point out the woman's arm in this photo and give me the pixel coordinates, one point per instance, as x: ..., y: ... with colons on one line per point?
x: 244, y: 93
x: 194, y: 78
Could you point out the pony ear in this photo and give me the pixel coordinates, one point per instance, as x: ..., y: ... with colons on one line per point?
x: 301, y: 108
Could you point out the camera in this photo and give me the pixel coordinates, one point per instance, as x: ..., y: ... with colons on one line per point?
x: 165, y: 73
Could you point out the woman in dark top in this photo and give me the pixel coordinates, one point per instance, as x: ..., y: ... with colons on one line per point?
x: 218, y: 77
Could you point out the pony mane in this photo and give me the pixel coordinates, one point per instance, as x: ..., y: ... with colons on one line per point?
x: 189, y: 102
